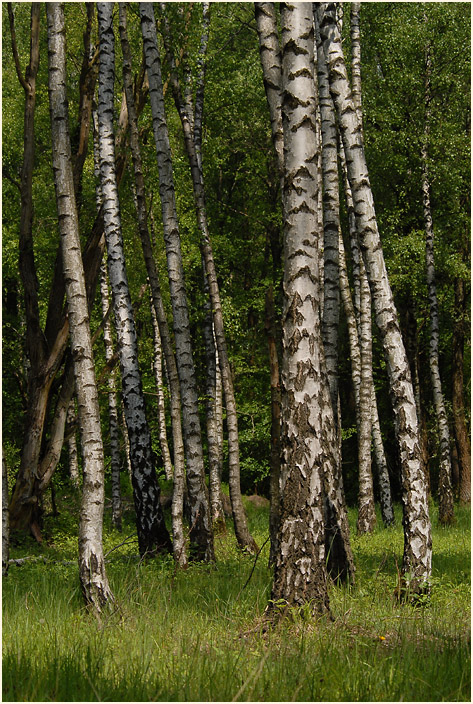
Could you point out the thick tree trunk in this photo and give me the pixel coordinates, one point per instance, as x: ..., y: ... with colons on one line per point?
x: 300, y: 576
x: 244, y: 538
x: 152, y: 531
x: 417, y: 561
x: 459, y: 423
x: 91, y: 561
x: 446, y: 511
x: 201, y: 529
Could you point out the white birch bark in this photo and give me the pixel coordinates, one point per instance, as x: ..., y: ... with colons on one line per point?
x: 112, y: 404
x: 184, y: 107
x: 299, y: 571
x: 91, y: 561
x: 152, y: 531
x: 215, y: 469
x: 160, y: 402
x: 387, y: 510
x: 160, y: 324
x: 366, y: 510
x: 446, y: 511
x: 201, y: 529
x: 417, y: 560
x: 270, y: 56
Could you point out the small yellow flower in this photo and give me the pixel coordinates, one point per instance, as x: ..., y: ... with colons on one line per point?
x: 382, y: 638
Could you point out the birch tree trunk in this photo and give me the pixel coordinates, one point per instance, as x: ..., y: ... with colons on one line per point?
x: 446, y: 512
x: 160, y: 403
x: 162, y: 333
x: 299, y: 572
x: 72, y: 449
x: 91, y: 561
x: 152, y: 532
x: 366, y: 510
x: 417, y: 560
x: 242, y: 533
x: 201, y: 529
x: 215, y: 468
x: 112, y: 404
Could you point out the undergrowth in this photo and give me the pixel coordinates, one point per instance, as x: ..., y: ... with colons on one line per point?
x: 198, y: 635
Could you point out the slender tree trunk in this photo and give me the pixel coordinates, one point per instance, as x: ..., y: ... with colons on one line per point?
x: 179, y: 545
x: 215, y: 469
x: 72, y: 449
x: 270, y: 55
x: 299, y: 574
x: 152, y: 531
x: 5, y: 518
x: 201, y: 529
x: 160, y: 403
x: 446, y: 511
x: 91, y: 561
x: 112, y: 404
x: 366, y: 509
x: 417, y: 561
x: 461, y: 433
x: 274, y: 507
x: 244, y: 538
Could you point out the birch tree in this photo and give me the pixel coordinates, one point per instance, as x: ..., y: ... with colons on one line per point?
x: 191, y: 116
x: 299, y: 572
x: 201, y: 530
x: 152, y: 531
x: 91, y: 561
x: 417, y: 559
x: 446, y: 512
x: 162, y: 332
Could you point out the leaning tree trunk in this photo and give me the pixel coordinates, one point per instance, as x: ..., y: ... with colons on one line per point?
x: 160, y: 401
x: 152, y: 531
x: 242, y: 533
x: 159, y: 314
x: 91, y: 561
x: 300, y: 576
x: 446, y: 512
x: 417, y: 561
x: 201, y: 529
x: 366, y: 510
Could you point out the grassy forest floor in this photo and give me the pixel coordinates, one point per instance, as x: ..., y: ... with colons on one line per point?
x: 197, y: 636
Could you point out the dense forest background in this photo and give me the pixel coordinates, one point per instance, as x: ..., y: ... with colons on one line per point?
x: 244, y: 213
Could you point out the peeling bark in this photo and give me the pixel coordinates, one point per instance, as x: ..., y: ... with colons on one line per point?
x: 299, y: 572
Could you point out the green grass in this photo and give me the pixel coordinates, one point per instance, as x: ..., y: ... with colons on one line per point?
x: 197, y: 636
